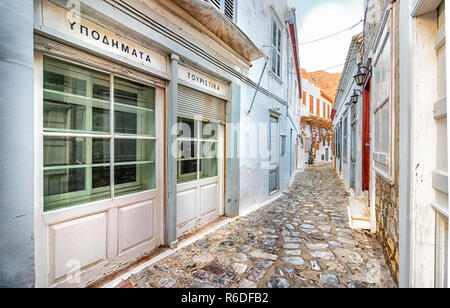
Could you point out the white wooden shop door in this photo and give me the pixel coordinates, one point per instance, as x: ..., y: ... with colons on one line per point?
x: 99, y: 143
x: 200, y: 159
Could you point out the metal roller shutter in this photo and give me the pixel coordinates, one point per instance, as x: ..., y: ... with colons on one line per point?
x: 193, y: 103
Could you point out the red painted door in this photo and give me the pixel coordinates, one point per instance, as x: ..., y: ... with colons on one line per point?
x: 366, y: 137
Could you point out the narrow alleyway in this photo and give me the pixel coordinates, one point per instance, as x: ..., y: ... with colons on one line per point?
x: 300, y: 240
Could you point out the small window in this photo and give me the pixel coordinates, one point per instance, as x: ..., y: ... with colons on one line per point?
x: 227, y: 7
x: 283, y: 145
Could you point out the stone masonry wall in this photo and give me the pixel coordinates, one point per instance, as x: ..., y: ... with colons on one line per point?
x: 386, y: 204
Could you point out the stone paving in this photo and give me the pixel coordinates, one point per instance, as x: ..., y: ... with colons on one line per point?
x: 302, y: 240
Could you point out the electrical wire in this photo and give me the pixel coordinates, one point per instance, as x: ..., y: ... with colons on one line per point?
x: 329, y: 68
x: 326, y: 37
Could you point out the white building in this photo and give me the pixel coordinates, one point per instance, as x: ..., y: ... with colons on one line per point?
x: 315, y: 104
x: 347, y: 121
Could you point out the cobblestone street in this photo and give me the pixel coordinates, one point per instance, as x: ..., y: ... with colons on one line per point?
x: 300, y: 240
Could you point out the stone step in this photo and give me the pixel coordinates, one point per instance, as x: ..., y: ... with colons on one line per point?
x: 358, y: 214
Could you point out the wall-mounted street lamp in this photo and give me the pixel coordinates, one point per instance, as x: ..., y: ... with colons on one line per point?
x: 360, y: 76
x: 355, y: 96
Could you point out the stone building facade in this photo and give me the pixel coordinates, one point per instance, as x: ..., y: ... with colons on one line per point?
x: 382, y: 17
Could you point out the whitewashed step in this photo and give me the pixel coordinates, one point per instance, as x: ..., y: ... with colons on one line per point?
x: 358, y: 215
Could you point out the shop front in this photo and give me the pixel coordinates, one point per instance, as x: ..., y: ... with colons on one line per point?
x: 100, y: 150
x: 105, y: 141
x: 201, y: 149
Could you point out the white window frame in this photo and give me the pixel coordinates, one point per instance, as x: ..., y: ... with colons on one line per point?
x: 198, y: 140
x: 379, y: 102
x: 110, y: 136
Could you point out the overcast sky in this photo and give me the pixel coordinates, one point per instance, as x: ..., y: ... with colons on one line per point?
x: 320, y: 18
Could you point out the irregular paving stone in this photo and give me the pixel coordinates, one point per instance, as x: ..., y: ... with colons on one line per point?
x: 205, y: 258
x: 330, y: 279
x: 293, y: 252
x: 203, y: 244
x: 278, y: 283
x: 239, y: 268
x: 256, y: 274
x: 325, y: 255
x: 292, y: 240
x: 325, y: 229
x: 226, y: 279
x: 294, y: 260
x: 202, y: 275
x: 177, y: 272
x: 240, y: 257
x: 306, y: 226
x: 269, y: 242
x: 336, y: 267
x: 194, y: 284
x: 144, y: 274
x: 247, y: 284
x: 336, y: 244
x: 347, y: 241
x: 317, y: 246
x: 315, y: 265
x: 291, y: 246
x: 264, y: 264
x: 167, y: 283
x: 263, y: 255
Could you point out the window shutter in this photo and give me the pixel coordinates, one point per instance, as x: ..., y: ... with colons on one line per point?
x: 276, y: 48
x: 216, y: 3
x: 227, y: 7
x: 192, y: 103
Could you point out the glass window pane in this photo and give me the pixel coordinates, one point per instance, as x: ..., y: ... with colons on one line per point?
x: 210, y: 131
x: 209, y: 149
x: 187, y: 150
x: 130, y: 178
x: 186, y: 128
x: 76, y: 171
x: 134, y: 166
x: 386, y: 128
x: 187, y: 171
x: 208, y: 168
x: 134, y: 108
x: 75, y: 99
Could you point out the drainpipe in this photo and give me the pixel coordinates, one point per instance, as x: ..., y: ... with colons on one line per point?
x: 405, y: 148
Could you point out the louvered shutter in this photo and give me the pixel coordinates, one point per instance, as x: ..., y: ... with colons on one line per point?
x: 227, y: 7
x: 193, y: 103
x: 276, y: 48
